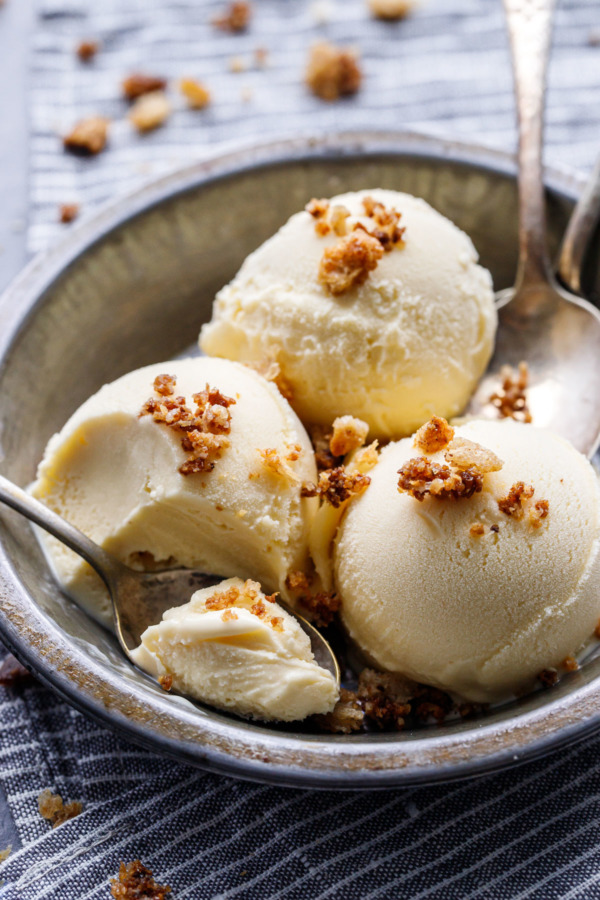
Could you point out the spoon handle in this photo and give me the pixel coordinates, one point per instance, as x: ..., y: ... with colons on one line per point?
x: 530, y: 26
x: 578, y: 234
x: 28, y: 506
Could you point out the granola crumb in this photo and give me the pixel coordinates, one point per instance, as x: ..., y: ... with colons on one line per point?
x: 297, y: 583
x: 538, y: 512
x: 324, y: 458
x: 87, y: 50
x: 434, y: 435
x: 12, y: 672
x: 477, y: 529
x: 391, y: 10
x: 510, y: 399
x: 320, y: 608
x: 233, y: 596
x: 464, y: 454
x: 366, y: 458
x: 333, y: 71
x: 348, y: 434
x: 196, y: 95
x: 67, y: 212
x: 150, y: 111
x: 136, y: 882
x: 385, y: 698
x: 548, y: 677
x: 386, y: 228
x: 235, y: 18
x: 347, y: 715
x: 202, y: 430
x: 138, y: 84
x: 319, y: 209
x: 338, y: 220
x: 52, y: 808
x: 347, y: 263
x: 165, y: 385
x: 4, y: 854
x: 570, y: 664
x: 277, y: 465
x: 337, y: 485
x: 512, y: 504
x: 166, y: 682
x: 88, y: 137
x: 228, y: 615
x: 420, y: 476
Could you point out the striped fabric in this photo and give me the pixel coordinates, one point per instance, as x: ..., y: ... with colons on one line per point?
x: 532, y: 832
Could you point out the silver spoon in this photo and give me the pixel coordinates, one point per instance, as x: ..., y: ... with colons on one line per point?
x: 582, y: 223
x: 139, y: 599
x: 555, y: 332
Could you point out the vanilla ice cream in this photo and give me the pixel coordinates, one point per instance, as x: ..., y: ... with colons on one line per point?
x: 457, y: 593
x: 410, y: 341
x: 117, y: 475
x: 236, y: 649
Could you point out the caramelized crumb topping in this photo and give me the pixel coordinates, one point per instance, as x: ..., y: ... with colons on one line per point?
x: 512, y: 504
x: 235, y: 18
x: 338, y: 220
x: 463, y: 454
x: 387, y: 230
x: 196, y: 95
x: 347, y: 715
x: 317, y: 208
x: 298, y: 583
x: 229, y: 615
x: 511, y: 399
x: 348, y: 262
x: 391, y: 10
x: 320, y: 608
x: 548, y: 677
x: 86, y: 50
x: 385, y: 698
x: 68, y: 212
x: 52, y: 808
x: 138, y: 83
x: 136, y: 882
x: 324, y: 458
x: 570, y: 664
x: 150, y: 111
x: 348, y: 434
x: 88, y: 137
x: 538, y: 512
x: 477, y: 529
x: 434, y: 435
x: 277, y: 465
x: 202, y: 431
x: 233, y: 596
x: 333, y: 71
x: 337, y: 485
x: 420, y: 476
x: 166, y: 682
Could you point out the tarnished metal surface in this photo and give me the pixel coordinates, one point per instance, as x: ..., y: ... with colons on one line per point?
x: 132, y: 286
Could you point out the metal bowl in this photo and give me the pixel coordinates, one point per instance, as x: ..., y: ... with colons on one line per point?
x: 132, y: 286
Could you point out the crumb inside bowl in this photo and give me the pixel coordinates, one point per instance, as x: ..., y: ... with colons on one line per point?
x: 133, y: 286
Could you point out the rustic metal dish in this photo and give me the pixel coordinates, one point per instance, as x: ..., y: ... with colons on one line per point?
x: 132, y: 286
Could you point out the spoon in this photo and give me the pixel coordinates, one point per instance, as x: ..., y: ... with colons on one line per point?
x: 555, y: 332
x: 139, y: 599
x: 581, y: 226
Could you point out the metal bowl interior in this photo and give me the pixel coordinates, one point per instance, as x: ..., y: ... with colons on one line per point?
x: 132, y: 286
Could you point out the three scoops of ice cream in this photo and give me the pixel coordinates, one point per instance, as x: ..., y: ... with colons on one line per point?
x: 466, y: 558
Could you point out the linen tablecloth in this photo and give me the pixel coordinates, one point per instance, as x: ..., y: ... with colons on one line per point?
x: 527, y: 832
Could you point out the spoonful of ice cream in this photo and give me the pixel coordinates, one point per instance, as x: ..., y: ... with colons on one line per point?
x: 557, y: 333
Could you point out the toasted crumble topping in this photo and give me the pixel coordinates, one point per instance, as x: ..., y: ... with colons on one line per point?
x: 366, y: 458
x: 67, y: 212
x: 385, y: 698
x: 421, y: 476
x: 88, y: 137
x: 166, y: 682
x: 387, y: 230
x: 570, y: 664
x: 333, y: 72
x: 248, y: 594
x: 391, y: 10
x: 320, y: 608
x: 324, y: 458
x: 337, y: 485
x: 202, y: 431
x: 512, y: 504
x: 12, y: 672
x: 136, y: 882
x: 236, y: 17
x: 338, y: 219
x: 52, y: 808
x: 274, y: 463
x: 477, y: 529
x: 297, y: 583
x: 548, y: 677
x: 348, y: 434
x: 138, y: 83
x: 348, y: 262
x: 165, y: 385
x: 464, y: 454
x: 434, y: 435
x: 86, y: 50
x: 511, y: 398
x: 346, y: 716
x: 229, y: 615
x: 196, y: 95
x: 150, y: 111
x: 318, y: 209
x: 538, y: 512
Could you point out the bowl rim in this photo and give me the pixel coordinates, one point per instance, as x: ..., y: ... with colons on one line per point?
x: 219, y: 744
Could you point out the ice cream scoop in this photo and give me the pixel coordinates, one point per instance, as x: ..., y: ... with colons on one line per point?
x: 235, y: 648
x: 409, y: 336
x: 196, y: 463
x: 478, y: 592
